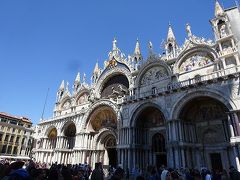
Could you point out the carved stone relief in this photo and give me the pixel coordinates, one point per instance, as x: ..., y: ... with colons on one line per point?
x: 83, y: 98
x: 66, y: 105
x: 154, y: 74
x: 195, y: 61
x: 234, y: 90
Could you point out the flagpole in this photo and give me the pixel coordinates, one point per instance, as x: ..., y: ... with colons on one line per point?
x: 44, y: 105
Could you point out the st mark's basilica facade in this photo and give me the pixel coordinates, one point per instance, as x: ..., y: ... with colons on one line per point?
x: 178, y: 109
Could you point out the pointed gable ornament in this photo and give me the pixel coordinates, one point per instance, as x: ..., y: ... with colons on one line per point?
x: 62, y: 86
x: 218, y: 9
x: 137, y: 50
x: 96, y: 68
x: 78, y: 78
x: 170, y: 36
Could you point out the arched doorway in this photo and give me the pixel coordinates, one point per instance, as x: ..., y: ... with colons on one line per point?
x: 149, y: 138
x: 204, y: 123
x: 103, y: 124
x: 158, y: 148
x: 110, y: 146
x: 52, y: 138
x: 70, y: 134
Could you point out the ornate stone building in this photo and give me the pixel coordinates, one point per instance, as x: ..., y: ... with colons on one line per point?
x: 180, y: 109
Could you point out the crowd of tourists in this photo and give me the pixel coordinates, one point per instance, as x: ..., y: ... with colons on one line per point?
x: 30, y: 170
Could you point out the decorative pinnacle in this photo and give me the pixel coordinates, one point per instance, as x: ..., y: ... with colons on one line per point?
x: 137, y: 48
x: 96, y: 68
x: 62, y: 86
x: 77, y: 77
x: 170, y: 36
x: 218, y: 9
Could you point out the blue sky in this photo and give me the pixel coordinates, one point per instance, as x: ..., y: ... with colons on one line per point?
x: 44, y: 42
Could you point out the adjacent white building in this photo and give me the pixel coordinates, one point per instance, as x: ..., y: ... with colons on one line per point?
x: 179, y: 109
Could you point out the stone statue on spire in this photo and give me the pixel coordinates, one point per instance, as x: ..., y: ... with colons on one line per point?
x: 115, y: 44
x: 84, y: 78
x: 188, y: 29
x: 150, y: 48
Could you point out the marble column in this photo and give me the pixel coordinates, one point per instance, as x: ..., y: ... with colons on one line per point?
x: 183, y: 157
x: 230, y: 123
x: 236, y: 157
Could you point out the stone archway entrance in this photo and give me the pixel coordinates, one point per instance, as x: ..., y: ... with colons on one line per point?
x: 205, y: 128
x: 103, y: 124
x: 107, y: 145
x: 70, y: 135
x: 149, y: 138
x: 110, y: 146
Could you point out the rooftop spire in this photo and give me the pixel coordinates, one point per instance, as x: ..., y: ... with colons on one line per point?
x: 137, y: 50
x: 170, y: 36
x: 218, y: 9
x: 96, y: 68
x: 77, y: 77
x: 62, y: 86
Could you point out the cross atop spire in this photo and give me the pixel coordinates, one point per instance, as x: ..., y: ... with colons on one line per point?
x: 170, y: 36
x: 218, y: 9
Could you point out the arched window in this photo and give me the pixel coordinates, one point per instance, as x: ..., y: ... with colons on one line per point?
x: 170, y: 48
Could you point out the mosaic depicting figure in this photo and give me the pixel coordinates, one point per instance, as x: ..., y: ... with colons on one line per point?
x: 194, y: 62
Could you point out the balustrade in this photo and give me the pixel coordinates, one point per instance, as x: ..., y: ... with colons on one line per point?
x: 185, y: 83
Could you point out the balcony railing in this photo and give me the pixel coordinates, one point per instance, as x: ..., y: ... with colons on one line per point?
x: 208, y: 78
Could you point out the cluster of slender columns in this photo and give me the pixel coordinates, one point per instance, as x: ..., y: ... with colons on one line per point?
x: 85, y: 141
x: 70, y: 150
x: 133, y: 136
x: 134, y: 146
x: 88, y: 156
x: 47, y: 143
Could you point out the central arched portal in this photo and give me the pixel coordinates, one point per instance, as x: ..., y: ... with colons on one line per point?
x: 103, y: 124
x: 150, y: 137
